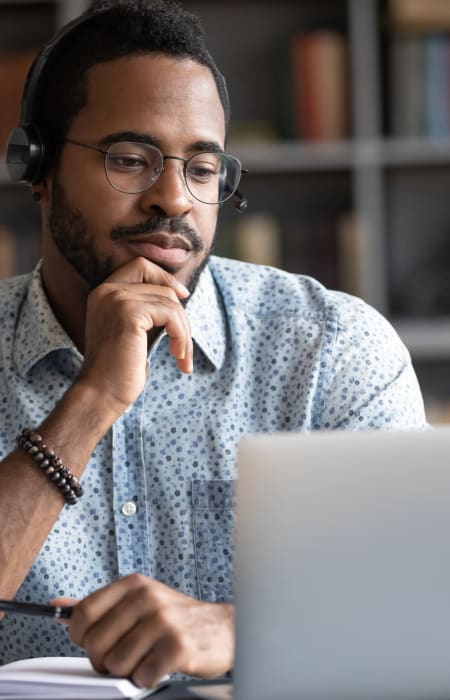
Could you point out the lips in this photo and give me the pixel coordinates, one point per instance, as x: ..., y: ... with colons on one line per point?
x: 161, y: 248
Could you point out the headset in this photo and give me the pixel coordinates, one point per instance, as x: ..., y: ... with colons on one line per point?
x: 26, y: 153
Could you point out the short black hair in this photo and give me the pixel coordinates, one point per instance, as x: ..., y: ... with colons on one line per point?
x: 113, y: 29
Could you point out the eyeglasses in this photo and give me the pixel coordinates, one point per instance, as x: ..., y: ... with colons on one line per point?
x: 133, y: 167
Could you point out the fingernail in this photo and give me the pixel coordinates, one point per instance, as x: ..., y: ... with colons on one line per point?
x: 184, y: 290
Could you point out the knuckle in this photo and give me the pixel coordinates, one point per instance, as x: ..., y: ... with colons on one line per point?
x: 171, y: 295
x: 84, y: 614
x: 116, y: 662
x: 137, y: 580
x: 177, y: 645
x: 161, y: 618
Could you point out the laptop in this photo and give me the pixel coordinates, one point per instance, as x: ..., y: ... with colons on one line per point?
x: 343, y: 566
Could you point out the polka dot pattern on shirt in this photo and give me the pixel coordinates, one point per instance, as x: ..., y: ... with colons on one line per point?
x: 272, y: 351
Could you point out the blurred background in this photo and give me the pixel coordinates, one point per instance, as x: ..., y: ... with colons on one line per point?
x: 341, y: 113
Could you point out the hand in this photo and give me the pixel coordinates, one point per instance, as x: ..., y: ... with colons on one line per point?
x: 139, y: 628
x: 135, y: 300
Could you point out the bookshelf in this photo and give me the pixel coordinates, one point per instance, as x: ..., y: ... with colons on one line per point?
x: 368, y: 213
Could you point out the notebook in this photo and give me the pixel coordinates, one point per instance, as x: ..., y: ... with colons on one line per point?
x: 343, y: 566
x: 62, y: 678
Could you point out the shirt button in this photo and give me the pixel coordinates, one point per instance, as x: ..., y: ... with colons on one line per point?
x: 129, y: 508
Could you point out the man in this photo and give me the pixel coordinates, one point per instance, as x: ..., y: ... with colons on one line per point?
x: 140, y: 361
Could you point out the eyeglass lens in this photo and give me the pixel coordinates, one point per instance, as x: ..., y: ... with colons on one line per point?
x: 211, y: 178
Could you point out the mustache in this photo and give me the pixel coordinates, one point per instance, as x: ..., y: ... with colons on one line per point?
x: 175, y: 225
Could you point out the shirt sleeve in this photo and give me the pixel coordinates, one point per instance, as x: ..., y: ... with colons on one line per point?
x: 371, y: 383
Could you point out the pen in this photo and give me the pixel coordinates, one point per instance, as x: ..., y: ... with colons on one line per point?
x: 54, y: 611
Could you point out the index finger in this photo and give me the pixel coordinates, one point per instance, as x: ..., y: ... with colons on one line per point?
x: 96, y: 605
x: 143, y: 271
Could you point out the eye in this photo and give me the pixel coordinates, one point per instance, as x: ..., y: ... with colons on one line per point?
x: 127, y: 161
x: 204, y: 168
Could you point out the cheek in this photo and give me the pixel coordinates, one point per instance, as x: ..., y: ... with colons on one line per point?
x: 206, y: 225
x: 84, y: 181
x: 88, y: 191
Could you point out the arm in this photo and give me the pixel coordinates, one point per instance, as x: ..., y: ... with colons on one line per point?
x: 135, y: 300
x: 371, y: 383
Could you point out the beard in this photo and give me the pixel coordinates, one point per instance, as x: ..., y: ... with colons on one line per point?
x: 71, y: 235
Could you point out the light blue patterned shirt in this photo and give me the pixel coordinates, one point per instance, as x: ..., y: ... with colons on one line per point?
x: 273, y: 351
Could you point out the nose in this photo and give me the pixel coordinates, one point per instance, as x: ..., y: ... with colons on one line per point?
x: 169, y: 193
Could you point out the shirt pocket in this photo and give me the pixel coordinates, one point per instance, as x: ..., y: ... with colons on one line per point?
x: 214, y: 518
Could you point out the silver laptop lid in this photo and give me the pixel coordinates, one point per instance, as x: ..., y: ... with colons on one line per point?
x: 343, y: 566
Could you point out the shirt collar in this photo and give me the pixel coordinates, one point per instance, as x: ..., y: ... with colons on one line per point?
x: 206, y: 316
x: 38, y: 331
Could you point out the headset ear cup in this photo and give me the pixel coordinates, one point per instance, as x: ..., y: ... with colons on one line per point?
x: 25, y: 154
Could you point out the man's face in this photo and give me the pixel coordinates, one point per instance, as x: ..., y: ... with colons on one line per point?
x: 173, y: 104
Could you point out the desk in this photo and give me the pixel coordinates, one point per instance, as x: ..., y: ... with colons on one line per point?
x: 178, y: 690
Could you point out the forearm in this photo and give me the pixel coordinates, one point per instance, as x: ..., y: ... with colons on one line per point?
x: 29, y: 503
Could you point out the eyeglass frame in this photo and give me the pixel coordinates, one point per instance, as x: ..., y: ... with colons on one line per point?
x: 185, y: 161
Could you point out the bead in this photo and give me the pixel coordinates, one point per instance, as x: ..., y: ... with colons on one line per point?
x: 51, y: 465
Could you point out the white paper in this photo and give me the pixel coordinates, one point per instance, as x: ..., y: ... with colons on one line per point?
x: 63, y: 677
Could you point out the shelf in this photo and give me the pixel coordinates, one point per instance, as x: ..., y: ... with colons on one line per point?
x: 398, y: 152
x: 397, y: 188
x: 265, y: 157
x: 289, y: 156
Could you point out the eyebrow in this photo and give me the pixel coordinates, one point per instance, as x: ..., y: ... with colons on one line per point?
x: 139, y: 137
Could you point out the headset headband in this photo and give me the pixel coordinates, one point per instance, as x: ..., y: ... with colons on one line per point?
x: 26, y: 152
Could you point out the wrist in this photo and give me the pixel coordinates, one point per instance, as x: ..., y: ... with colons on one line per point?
x: 99, y: 389
x: 92, y: 399
x: 78, y: 423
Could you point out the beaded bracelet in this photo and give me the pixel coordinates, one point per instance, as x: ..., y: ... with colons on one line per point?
x: 51, y: 465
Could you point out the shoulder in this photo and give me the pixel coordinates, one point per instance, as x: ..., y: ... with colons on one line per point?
x: 13, y: 290
x: 269, y: 292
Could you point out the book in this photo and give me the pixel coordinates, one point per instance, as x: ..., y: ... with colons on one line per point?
x: 310, y: 248
x: 282, y: 89
x: 320, y: 85
x: 61, y: 678
x: 407, y: 86
x: 419, y: 15
x: 437, y: 86
x: 257, y: 239
x: 14, y: 66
